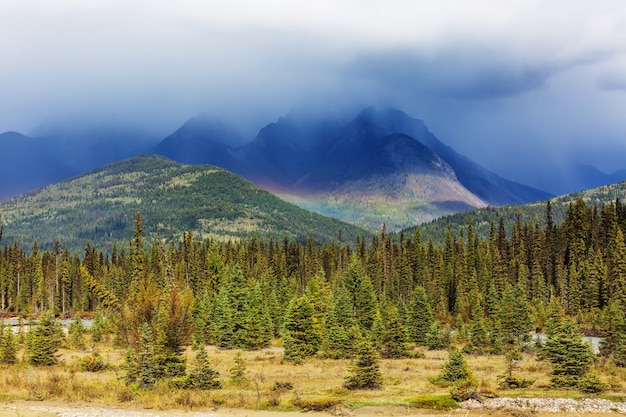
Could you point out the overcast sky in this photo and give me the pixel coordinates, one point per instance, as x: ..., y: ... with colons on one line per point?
x: 509, y: 83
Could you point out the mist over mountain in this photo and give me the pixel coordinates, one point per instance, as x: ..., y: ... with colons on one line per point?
x: 378, y: 167
x: 371, y: 167
x: 27, y: 163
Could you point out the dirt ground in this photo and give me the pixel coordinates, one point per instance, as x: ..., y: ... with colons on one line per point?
x: 52, y: 408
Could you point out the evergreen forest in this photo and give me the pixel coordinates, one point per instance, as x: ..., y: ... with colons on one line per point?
x: 382, y: 297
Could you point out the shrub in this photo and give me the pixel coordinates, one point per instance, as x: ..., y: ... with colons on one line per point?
x: 463, y: 390
x: 92, y: 363
x: 282, y: 386
x: 365, y: 374
x: 316, y: 404
x: 591, y: 384
x: 454, y: 370
x: 433, y: 402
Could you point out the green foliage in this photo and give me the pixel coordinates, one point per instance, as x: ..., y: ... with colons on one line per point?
x: 301, y: 338
x: 508, y: 380
x: 420, y: 316
x: 614, y: 332
x: 441, y: 402
x: 514, y: 317
x: 238, y: 371
x: 365, y: 373
x: 435, y: 339
x: 590, y: 383
x: 394, y: 342
x: 569, y: 355
x: 45, y: 340
x: 8, y: 349
x: 202, y: 375
x: 92, y: 363
x: 202, y: 199
x: 455, y: 370
x: 76, y: 332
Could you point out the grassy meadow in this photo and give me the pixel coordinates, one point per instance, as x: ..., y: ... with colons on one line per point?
x: 274, y: 384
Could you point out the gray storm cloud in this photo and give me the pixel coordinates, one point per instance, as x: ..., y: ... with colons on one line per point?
x: 509, y: 75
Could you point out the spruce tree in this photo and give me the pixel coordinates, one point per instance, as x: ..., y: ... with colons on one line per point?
x: 8, y: 350
x: 434, y: 338
x: 202, y: 375
x: 146, y: 368
x: 478, y: 334
x: 258, y: 323
x: 238, y: 371
x: 420, y: 316
x: 394, y: 343
x: 76, y: 333
x: 614, y: 343
x: 514, y: 317
x: 569, y: 355
x: 45, y: 340
x: 455, y: 369
x: 301, y: 339
x: 365, y: 373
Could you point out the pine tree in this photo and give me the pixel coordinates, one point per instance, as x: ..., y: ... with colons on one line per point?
x: 420, y: 316
x: 365, y: 373
x: 434, y: 339
x: 238, y: 371
x: 394, y: 343
x: 614, y: 343
x: 8, y: 350
x: 76, y: 332
x: 301, y: 338
x: 569, y: 355
x: 202, y: 376
x: 45, y: 340
x: 478, y: 334
x: 514, y: 317
x: 146, y: 368
x: 258, y: 323
x: 508, y: 380
x: 455, y: 369
x: 98, y: 327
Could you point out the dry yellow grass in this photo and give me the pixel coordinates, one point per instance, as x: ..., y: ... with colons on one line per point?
x: 316, y: 381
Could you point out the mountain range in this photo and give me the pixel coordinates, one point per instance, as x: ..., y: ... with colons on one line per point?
x: 378, y: 167
x: 100, y: 207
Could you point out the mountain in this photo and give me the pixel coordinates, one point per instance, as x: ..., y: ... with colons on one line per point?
x: 173, y: 198
x: 372, y: 169
x: 84, y: 146
x: 27, y: 163
x: 201, y: 140
x: 483, y: 218
x: 371, y: 179
x: 485, y: 184
x: 378, y: 167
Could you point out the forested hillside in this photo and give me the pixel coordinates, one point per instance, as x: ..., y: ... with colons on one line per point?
x: 173, y: 198
x: 323, y: 300
x: 483, y: 218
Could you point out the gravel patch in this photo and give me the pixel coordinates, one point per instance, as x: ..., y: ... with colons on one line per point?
x: 588, y: 405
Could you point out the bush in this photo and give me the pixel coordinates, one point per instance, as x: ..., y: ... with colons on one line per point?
x: 464, y: 390
x: 591, y: 384
x: 433, y: 402
x: 316, y: 404
x: 282, y: 386
x: 454, y: 370
x: 92, y: 363
x: 512, y: 382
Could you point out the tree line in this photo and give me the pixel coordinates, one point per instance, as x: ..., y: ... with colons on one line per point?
x: 391, y: 292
